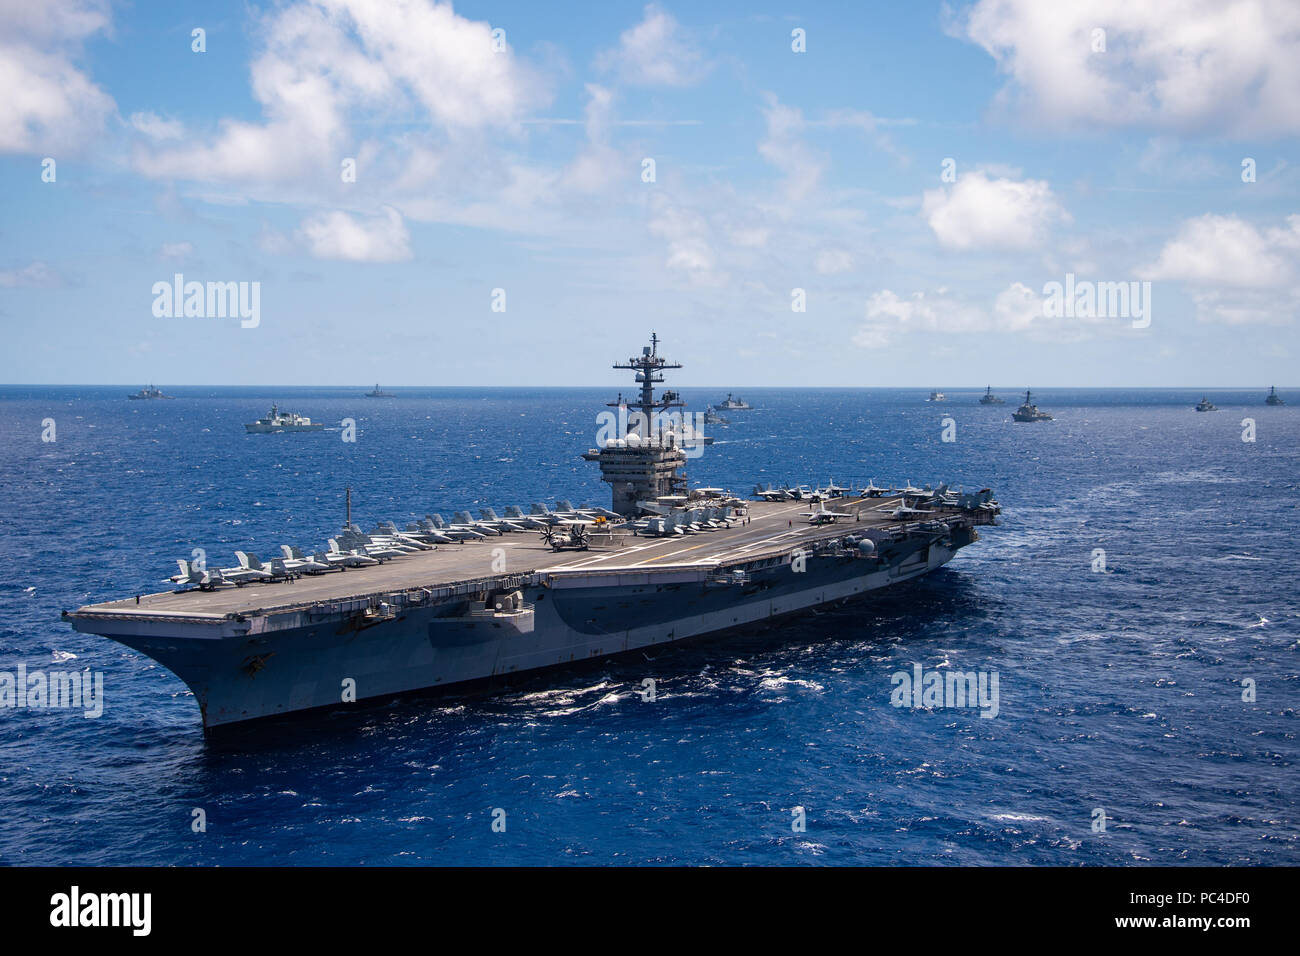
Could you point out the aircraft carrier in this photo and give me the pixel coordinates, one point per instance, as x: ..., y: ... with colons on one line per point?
x: 664, y: 564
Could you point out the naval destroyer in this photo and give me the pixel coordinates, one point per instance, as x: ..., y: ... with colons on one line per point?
x: 442, y: 605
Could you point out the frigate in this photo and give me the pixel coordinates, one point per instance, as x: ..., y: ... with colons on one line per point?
x: 444, y: 605
x: 278, y: 421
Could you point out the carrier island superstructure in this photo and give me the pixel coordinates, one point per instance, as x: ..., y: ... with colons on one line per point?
x: 664, y: 564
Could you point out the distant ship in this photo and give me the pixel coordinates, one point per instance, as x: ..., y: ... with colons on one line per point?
x: 734, y: 404
x: 278, y: 421
x: 990, y: 399
x: 1029, y: 412
x: 1205, y: 405
x: 148, y: 392
x: 1273, y: 397
x: 711, y: 417
x: 936, y: 397
x: 379, y: 393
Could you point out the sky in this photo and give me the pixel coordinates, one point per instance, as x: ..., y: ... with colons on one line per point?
x: 834, y: 194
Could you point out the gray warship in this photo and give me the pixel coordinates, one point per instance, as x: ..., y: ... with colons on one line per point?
x: 440, y: 605
x: 1029, y: 412
x: 278, y: 421
x: 148, y: 393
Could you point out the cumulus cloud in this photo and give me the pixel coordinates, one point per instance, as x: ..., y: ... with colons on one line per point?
x: 1227, y: 250
x: 1017, y: 308
x: 325, y: 62
x: 889, y: 315
x: 979, y: 212
x: 48, y: 103
x: 1189, y: 65
x: 655, y: 52
x: 337, y: 235
x: 1238, y: 272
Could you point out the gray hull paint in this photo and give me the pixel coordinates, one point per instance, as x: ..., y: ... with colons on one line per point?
x: 567, y: 619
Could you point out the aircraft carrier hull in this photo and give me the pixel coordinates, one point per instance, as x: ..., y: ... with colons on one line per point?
x: 260, y: 662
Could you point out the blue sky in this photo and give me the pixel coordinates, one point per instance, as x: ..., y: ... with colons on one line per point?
x: 1115, y: 158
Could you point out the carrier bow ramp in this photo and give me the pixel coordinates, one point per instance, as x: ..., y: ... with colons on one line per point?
x: 424, y: 608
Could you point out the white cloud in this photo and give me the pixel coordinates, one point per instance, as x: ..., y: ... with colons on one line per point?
x: 325, y: 63
x: 1247, y: 306
x: 155, y: 127
x: 1015, y: 309
x: 1238, y: 273
x: 273, y: 242
x: 889, y: 316
x: 1227, y: 250
x: 37, y: 275
x: 598, y: 165
x: 870, y: 124
x: 176, y: 250
x: 337, y: 235
x: 48, y: 103
x: 690, y: 249
x: 785, y: 149
x: 655, y: 52
x: 978, y: 212
x: 1203, y: 65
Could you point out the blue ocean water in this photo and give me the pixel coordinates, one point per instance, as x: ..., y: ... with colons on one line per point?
x: 1120, y: 690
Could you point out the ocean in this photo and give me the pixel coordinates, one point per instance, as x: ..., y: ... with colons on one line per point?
x: 1137, y: 602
